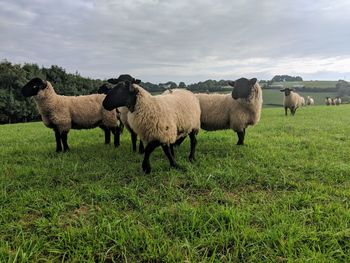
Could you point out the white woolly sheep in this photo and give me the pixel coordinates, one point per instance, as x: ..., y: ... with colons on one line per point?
x: 332, y: 101
x: 337, y: 101
x: 291, y: 101
x: 234, y: 111
x: 309, y: 101
x: 62, y: 113
x: 159, y: 120
x: 302, y: 101
x: 328, y: 101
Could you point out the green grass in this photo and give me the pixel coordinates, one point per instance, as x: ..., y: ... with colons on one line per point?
x: 272, y: 97
x: 283, y: 197
x: 309, y: 83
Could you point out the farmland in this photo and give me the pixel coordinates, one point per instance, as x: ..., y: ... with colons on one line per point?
x: 282, y: 197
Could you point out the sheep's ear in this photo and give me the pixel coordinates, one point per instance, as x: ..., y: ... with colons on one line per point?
x: 231, y: 83
x: 113, y: 81
x: 137, y: 81
x: 252, y: 81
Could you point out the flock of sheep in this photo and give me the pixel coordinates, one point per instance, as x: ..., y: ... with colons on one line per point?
x: 159, y: 120
x: 163, y: 120
x: 293, y: 101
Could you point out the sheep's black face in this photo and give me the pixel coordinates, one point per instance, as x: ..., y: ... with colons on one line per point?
x: 33, y: 87
x: 123, y: 94
x: 104, y: 89
x: 242, y: 88
x: 124, y: 78
x: 286, y: 91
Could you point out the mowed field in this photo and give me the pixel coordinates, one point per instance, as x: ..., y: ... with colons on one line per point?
x: 285, y: 196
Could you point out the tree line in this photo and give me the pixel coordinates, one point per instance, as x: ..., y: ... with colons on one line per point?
x: 15, y: 108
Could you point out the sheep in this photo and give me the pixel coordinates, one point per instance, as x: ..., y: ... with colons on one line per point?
x: 160, y: 120
x: 62, y: 113
x: 119, y: 129
x: 337, y: 101
x: 302, y: 101
x: 332, y: 101
x: 234, y: 111
x: 328, y: 101
x: 309, y: 101
x: 124, y: 110
x: 290, y: 101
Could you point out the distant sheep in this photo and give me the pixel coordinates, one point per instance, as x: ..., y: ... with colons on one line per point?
x: 291, y: 101
x: 159, y: 120
x: 328, y: 101
x: 302, y: 101
x: 62, y: 113
x: 333, y: 101
x: 337, y: 101
x: 309, y: 101
x: 234, y: 111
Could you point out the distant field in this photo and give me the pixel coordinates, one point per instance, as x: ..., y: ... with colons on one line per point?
x: 273, y: 97
x: 308, y: 83
x: 284, y: 197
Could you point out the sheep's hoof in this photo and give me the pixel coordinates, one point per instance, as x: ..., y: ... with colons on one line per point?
x: 146, y: 168
x: 58, y: 150
x: 66, y: 150
x: 240, y: 143
x: 191, y: 159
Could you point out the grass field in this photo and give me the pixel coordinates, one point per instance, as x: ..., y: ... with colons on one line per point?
x: 283, y: 197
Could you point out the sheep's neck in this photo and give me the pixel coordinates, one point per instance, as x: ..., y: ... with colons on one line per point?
x: 46, y: 101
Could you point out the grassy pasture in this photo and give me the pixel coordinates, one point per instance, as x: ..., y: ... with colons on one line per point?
x: 284, y: 196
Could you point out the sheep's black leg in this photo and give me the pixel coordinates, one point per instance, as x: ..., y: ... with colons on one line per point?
x: 146, y: 167
x: 107, y: 134
x: 116, y: 132
x: 292, y: 110
x: 193, y: 145
x: 167, y: 151
x: 141, y: 147
x: 172, y: 150
x: 133, y: 140
x: 64, y: 138
x: 241, y: 135
x: 58, y: 141
x: 179, y: 141
x: 286, y: 110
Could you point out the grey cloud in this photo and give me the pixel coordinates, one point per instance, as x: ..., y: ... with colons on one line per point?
x: 175, y: 40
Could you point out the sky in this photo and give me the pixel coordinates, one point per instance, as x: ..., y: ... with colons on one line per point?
x: 180, y: 40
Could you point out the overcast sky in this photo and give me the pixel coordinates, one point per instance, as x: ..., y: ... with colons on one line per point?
x: 180, y: 40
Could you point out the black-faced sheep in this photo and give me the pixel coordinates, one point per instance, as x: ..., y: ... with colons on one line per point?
x: 124, y: 110
x: 159, y: 120
x: 119, y: 129
x: 234, y: 111
x: 291, y: 101
x: 62, y: 113
x: 328, y: 101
